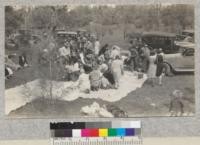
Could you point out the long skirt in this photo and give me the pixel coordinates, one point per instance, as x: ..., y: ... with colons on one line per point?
x: 159, y: 69
x: 151, y: 73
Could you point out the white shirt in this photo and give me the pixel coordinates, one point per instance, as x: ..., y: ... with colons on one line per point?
x: 73, y: 68
x: 84, y: 82
x: 97, y: 47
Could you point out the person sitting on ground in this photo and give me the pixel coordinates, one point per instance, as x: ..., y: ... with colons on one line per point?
x: 23, y: 61
x: 89, y: 62
x: 105, y: 84
x: 89, y: 47
x: 117, y: 70
x: 95, y: 78
x: 102, y: 66
x: 72, y: 70
x: 8, y: 72
x: 84, y: 82
x: 11, y: 64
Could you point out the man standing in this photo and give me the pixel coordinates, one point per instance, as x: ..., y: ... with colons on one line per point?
x: 133, y: 57
x: 96, y: 47
x: 145, y: 54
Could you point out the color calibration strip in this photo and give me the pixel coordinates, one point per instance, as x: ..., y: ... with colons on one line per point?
x: 95, y: 129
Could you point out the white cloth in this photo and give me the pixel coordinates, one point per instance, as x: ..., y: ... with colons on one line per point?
x: 63, y: 51
x: 73, y: 68
x: 84, y: 82
x: 16, y: 97
x: 114, y: 53
x: 116, y: 47
x: 9, y: 71
x: 82, y: 58
x: 94, y: 110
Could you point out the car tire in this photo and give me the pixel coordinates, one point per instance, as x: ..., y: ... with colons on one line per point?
x: 169, y: 71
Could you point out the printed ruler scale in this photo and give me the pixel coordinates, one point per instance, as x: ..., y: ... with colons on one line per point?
x: 96, y: 133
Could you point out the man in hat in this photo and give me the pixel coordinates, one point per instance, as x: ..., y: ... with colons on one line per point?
x: 133, y: 57
x: 145, y: 54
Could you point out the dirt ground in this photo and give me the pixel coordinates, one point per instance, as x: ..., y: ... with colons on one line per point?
x: 143, y: 102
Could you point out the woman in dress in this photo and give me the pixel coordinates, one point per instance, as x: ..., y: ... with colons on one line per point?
x: 151, y: 73
x: 117, y: 70
x: 160, y: 65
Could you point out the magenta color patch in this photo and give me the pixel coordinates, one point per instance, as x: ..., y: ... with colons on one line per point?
x: 85, y: 132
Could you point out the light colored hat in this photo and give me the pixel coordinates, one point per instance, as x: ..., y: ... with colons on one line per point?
x: 177, y: 94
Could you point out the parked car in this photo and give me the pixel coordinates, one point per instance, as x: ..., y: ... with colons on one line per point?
x: 162, y: 40
x: 10, y: 44
x: 183, y: 61
x: 62, y: 35
x: 156, y: 40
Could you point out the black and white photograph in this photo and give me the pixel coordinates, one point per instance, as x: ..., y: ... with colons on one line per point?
x: 99, y: 61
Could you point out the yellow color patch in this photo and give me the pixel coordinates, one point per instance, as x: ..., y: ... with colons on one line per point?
x: 103, y: 132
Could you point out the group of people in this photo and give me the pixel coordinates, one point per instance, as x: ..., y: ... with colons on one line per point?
x: 142, y: 58
x: 11, y: 67
x: 83, y: 59
x: 83, y: 56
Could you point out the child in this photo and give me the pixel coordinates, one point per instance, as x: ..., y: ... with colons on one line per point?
x: 176, y: 103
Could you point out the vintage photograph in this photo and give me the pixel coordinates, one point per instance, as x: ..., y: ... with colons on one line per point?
x: 99, y: 61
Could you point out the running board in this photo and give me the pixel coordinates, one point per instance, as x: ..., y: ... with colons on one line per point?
x: 184, y: 70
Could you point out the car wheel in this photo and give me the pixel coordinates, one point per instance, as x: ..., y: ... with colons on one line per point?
x: 168, y: 70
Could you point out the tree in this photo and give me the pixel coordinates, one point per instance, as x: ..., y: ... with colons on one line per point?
x: 42, y: 17
x: 13, y: 20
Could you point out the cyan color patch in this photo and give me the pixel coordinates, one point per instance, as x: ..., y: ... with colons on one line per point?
x: 121, y: 132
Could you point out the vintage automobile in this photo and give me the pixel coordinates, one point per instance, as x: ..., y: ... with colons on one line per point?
x: 11, y: 44
x: 156, y: 40
x: 186, y: 35
x: 62, y: 35
x: 66, y: 34
x: 81, y: 32
x: 183, y: 61
x: 162, y: 40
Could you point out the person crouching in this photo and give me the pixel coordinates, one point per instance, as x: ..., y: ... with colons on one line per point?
x: 23, y: 61
x: 95, y: 78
